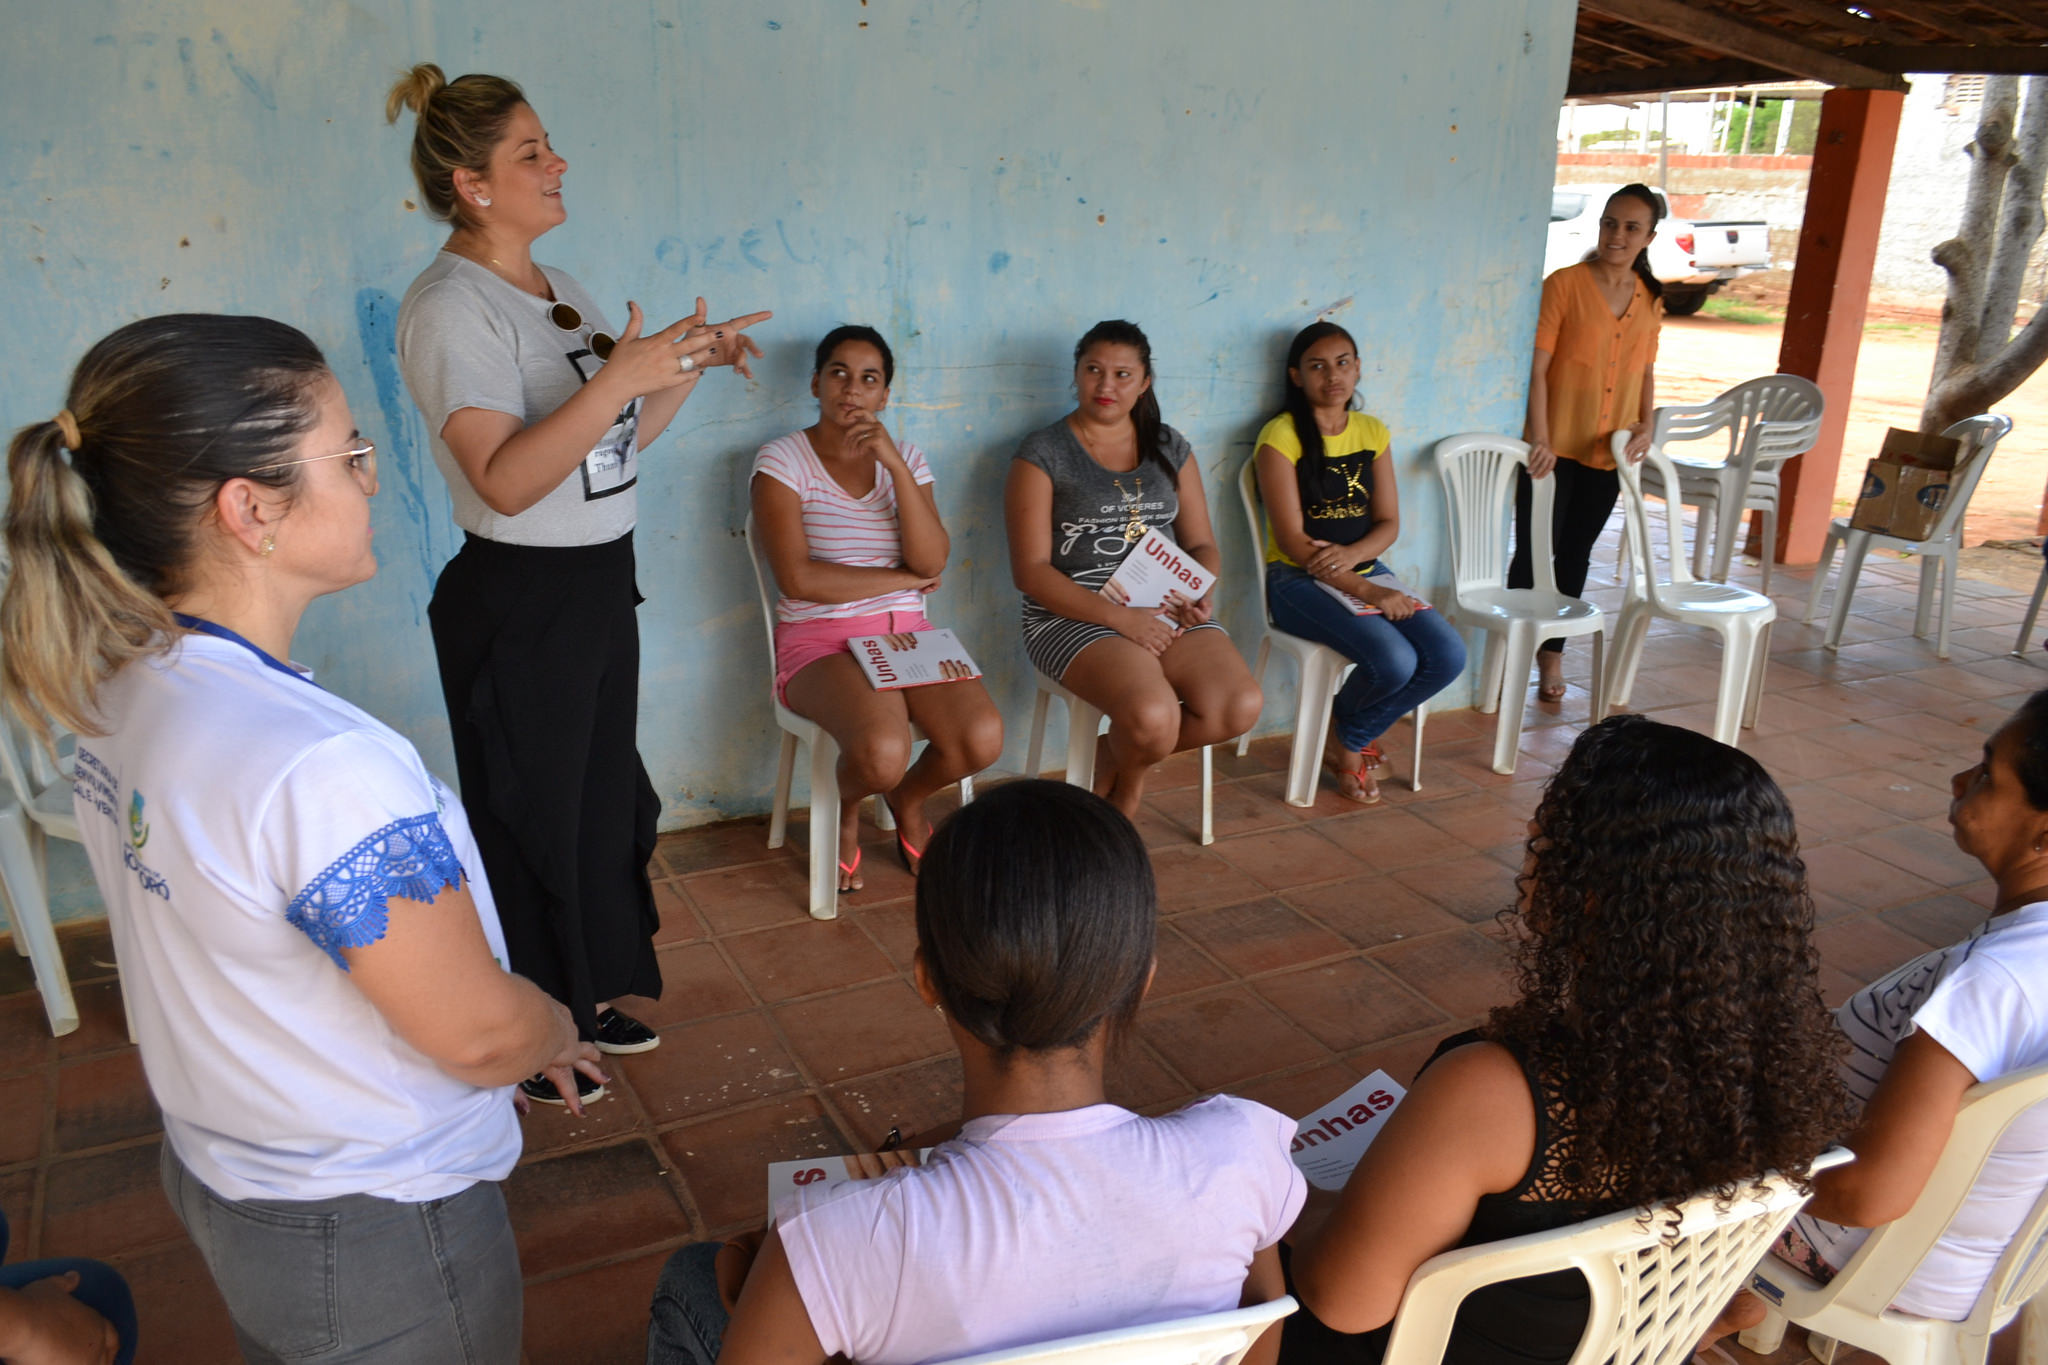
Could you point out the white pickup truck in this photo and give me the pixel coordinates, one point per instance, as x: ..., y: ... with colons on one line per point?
x: 1692, y: 258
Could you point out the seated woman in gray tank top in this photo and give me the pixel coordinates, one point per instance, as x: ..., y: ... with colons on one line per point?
x: 1081, y: 493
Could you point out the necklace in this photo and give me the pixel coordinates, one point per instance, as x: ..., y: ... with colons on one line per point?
x: 1134, y: 527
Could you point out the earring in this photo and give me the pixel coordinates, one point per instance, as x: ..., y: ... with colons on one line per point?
x: 269, y: 544
x: 482, y: 202
x: 941, y: 1010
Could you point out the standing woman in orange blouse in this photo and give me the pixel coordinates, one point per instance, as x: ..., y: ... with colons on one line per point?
x: 1596, y: 346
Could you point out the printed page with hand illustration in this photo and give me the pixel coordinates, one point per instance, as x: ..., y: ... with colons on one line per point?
x: 1358, y: 606
x: 912, y: 659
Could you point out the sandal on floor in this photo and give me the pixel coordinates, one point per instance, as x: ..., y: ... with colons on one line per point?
x: 911, y: 856
x: 847, y: 871
x: 1376, y: 761
x: 1551, y: 692
x: 1355, y: 784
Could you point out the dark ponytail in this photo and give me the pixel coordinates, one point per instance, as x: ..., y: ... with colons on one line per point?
x: 104, y: 499
x: 1036, y: 917
x: 1642, y: 261
x: 1145, y: 412
x: 1298, y: 407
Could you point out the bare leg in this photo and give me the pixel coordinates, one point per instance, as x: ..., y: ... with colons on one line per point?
x: 1219, y: 700
x: 873, y: 732
x: 1126, y: 683
x: 1739, y: 1314
x: 963, y: 733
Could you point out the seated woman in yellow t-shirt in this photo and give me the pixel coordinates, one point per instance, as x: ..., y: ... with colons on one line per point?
x: 1332, y: 509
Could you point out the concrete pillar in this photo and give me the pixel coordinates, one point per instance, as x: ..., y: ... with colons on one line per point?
x: 1852, y: 164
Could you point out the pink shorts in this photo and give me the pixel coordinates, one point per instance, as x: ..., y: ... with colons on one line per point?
x: 799, y: 644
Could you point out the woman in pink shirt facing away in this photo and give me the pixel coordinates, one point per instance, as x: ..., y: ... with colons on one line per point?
x: 848, y: 523
x: 1052, y: 1212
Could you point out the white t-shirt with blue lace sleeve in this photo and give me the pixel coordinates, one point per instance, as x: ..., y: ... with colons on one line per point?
x: 244, y: 827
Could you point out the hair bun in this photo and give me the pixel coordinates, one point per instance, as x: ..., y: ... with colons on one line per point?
x: 413, y: 90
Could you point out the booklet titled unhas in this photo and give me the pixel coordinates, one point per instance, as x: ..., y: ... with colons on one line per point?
x: 914, y: 658
x: 1155, y: 570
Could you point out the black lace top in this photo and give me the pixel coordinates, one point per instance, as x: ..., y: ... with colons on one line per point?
x: 1532, y: 1321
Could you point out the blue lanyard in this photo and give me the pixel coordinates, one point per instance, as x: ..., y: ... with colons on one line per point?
x: 205, y: 627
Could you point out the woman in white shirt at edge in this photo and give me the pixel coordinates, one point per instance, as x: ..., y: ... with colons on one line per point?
x: 1053, y: 1212
x: 878, y: 548
x: 1922, y: 1035
x: 307, y: 951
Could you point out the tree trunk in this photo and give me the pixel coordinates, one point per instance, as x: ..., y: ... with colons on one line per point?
x: 1978, y: 360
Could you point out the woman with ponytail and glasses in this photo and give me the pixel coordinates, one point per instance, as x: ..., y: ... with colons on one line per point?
x: 537, y: 412
x: 1596, y: 349
x: 1326, y: 477
x: 308, y: 950
x: 1081, y: 494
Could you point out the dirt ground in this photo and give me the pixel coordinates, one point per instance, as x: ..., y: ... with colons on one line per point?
x: 1700, y: 356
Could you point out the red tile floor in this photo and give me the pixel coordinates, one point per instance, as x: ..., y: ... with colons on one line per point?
x: 1304, y: 948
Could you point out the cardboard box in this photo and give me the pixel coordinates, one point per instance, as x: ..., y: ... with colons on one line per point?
x: 1907, y: 485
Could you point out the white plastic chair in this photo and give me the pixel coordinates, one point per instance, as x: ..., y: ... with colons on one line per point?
x: 2019, y: 646
x: 1478, y: 472
x: 1980, y: 436
x: 1211, y: 1339
x: 1855, y: 1306
x: 36, y: 805
x: 1741, y: 617
x: 1084, y: 723
x: 1322, y: 671
x: 824, y: 869
x: 1653, y: 1295
x: 1768, y: 420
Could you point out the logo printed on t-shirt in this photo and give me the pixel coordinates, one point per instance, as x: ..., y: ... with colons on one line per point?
x: 609, y: 468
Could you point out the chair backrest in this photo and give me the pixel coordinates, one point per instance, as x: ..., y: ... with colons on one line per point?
x: 1890, y: 1255
x: 1980, y: 436
x: 1767, y: 419
x: 1478, y: 471
x: 1654, y: 1289
x: 1212, y: 1339
x: 764, y: 584
x: 1642, y: 571
x: 1254, y: 515
x: 28, y: 767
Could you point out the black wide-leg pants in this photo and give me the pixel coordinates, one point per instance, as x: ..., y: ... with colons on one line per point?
x: 539, y: 650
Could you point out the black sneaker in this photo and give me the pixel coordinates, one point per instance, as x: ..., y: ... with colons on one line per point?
x: 542, y: 1090
x: 620, y: 1033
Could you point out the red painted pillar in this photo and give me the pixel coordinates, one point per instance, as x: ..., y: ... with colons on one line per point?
x: 1852, y: 164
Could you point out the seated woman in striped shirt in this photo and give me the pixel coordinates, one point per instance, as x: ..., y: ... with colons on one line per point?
x: 847, y: 521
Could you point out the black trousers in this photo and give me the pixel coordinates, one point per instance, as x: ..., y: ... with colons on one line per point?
x: 539, y: 651
x: 1583, y: 500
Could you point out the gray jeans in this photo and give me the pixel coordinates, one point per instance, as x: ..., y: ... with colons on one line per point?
x: 360, y: 1278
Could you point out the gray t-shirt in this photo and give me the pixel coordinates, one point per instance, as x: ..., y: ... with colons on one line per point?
x: 468, y: 339
x: 1098, y: 514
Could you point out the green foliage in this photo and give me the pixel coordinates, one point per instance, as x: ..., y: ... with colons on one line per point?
x: 1739, y: 310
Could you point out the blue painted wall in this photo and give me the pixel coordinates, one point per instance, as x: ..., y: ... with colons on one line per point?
x: 980, y: 180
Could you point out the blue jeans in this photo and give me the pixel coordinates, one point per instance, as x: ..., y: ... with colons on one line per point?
x: 100, y: 1288
x: 1400, y: 663
x: 689, y: 1320
x: 358, y: 1278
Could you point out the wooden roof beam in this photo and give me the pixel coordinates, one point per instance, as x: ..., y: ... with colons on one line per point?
x: 2026, y: 16
x: 1952, y: 58
x: 1838, y: 17
x: 1614, y: 83
x: 1939, y: 19
x: 1705, y: 28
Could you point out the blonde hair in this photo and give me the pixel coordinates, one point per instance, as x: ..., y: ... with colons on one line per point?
x: 165, y: 411
x: 459, y: 125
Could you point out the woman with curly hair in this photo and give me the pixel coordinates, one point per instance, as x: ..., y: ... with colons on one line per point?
x: 1669, y: 1038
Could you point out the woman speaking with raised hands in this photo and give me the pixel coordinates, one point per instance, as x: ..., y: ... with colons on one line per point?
x: 537, y: 413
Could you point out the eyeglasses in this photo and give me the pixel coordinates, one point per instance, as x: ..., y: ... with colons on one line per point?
x: 569, y: 320
x: 361, y: 457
